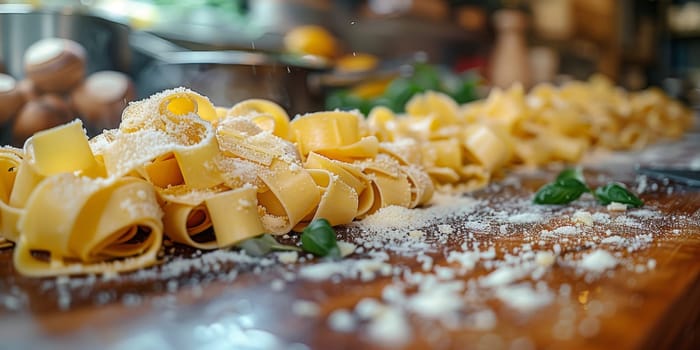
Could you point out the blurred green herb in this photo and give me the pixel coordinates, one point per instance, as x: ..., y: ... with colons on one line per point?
x: 462, y: 88
x: 319, y: 239
x: 561, y: 191
x: 616, y: 192
x: 570, y: 185
x: 263, y: 244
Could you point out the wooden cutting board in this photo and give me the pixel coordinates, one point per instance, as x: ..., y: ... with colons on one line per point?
x: 513, y: 297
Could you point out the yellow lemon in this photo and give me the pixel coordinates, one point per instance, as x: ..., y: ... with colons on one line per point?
x: 311, y: 39
x: 356, y: 62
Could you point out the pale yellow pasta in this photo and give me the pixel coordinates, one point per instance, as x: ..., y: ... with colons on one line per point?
x: 240, y: 137
x: 485, y: 147
x: 421, y: 185
x: 100, y: 221
x: 389, y: 190
x: 185, y: 215
x: 197, y: 164
x: 406, y: 151
x: 211, y: 177
x: 266, y: 114
x: 234, y: 216
x: 338, y: 202
x: 164, y: 171
x: 389, y: 183
x: 10, y: 160
x: 356, y: 180
x: 382, y: 123
x: 337, y: 135
x: 73, y: 155
x: 443, y: 153
x: 292, y: 195
x: 474, y: 176
x: 634, y: 137
x: 443, y: 108
x: 183, y: 222
x: 165, y: 123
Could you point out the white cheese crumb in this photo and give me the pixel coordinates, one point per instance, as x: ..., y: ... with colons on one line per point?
x: 589, y: 327
x: 277, y: 285
x: 305, y: 308
x: 444, y: 273
x: 390, y: 328
x: 525, y: 218
x: 483, y: 320
x: 447, y: 229
x: 615, y: 206
x: 566, y: 230
x: 346, y: 248
x: 502, y: 276
x: 342, y: 321
x: 523, y: 297
x: 651, y: 264
x: 368, y: 308
x: 416, y: 234
x: 544, y: 259
x: 288, y: 257
x: 598, y: 261
x: 617, y: 240
x: 583, y: 217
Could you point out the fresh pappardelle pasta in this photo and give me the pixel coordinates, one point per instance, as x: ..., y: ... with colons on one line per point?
x: 211, y: 177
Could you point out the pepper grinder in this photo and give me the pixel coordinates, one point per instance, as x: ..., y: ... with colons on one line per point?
x: 509, y: 63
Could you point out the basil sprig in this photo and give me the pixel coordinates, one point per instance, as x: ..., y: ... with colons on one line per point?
x: 616, y: 192
x: 560, y: 192
x: 570, y: 185
x: 263, y: 244
x: 319, y: 239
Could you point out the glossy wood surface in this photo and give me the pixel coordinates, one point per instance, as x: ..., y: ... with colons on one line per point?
x: 633, y: 306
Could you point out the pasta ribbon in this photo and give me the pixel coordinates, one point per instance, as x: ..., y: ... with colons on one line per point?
x: 337, y: 135
x: 190, y: 215
x: 103, y: 225
x: 442, y: 107
x: 339, y: 201
x: 73, y: 155
x: 10, y: 160
x: 382, y: 123
x: 239, y: 137
x: 485, y: 147
x: 268, y: 115
x: 292, y: 195
x: 234, y: 215
x: 170, y: 126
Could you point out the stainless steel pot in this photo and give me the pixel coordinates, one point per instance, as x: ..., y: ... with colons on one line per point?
x: 227, y: 76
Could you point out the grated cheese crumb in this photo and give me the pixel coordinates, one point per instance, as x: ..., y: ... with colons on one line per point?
x: 583, y: 217
x: 288, y: 257
x: 615, y: 206
x: 342, y: 320
x: 598, y: 261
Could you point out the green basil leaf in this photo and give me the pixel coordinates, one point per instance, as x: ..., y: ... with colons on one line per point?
x: 263, y: 244
x: 616, y: 192
x: 571, y: 173
x: 561, y: 191
x: 319, y: 239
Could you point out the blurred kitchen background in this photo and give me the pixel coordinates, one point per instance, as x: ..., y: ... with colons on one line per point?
x: 313, y: 54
